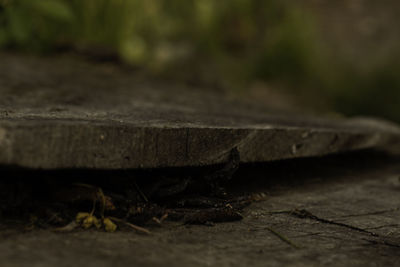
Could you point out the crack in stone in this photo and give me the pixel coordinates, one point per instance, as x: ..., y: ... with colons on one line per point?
x: 370, y: 213
x: 383, y: 226
x: 303, y: 214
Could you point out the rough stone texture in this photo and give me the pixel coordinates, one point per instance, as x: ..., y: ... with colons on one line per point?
x: 354, y: 191
x: 63, y: 112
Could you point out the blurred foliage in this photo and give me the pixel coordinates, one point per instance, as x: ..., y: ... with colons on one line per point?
x: 229, y: 42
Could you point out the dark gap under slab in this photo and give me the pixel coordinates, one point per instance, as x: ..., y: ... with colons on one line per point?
x: 186, y: 194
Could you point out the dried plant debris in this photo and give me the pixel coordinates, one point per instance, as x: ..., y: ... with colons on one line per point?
x: 213, y: 215
x: 86, y: 206
x: 109, y: 201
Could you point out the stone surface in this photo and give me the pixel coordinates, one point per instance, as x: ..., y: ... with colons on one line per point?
x: 64, y: 112
x: 353, y: 191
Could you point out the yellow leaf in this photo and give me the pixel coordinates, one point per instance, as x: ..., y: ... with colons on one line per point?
x: 109, y: 225
x: 81, y: 216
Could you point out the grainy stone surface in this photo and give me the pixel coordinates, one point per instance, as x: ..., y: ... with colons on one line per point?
x: 63, y: 112
x: 353, y: 192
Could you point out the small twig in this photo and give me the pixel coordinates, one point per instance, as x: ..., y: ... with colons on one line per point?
x: 94, y: 207
x: 162, y: 218
x: 156, y: 220
x: 67, y: 228
x: 282, y: 237
x: 103, y: 202
x: 85, y: 185
x: 140, y: 192
x: 165, y: 216
x: 99, y: 194
x: 135, y: 227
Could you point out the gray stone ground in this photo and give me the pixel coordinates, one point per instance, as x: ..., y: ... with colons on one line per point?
x: 367, y: 198
x: 64, y: 112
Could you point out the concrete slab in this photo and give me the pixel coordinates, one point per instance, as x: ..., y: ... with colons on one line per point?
x: 64, y: 112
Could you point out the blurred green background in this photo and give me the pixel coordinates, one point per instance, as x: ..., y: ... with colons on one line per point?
x: 338, y: 55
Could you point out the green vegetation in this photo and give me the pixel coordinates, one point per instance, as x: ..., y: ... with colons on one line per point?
x: 233, y: 43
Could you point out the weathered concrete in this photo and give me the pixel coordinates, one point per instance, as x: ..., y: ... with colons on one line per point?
x: 67, y: 113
